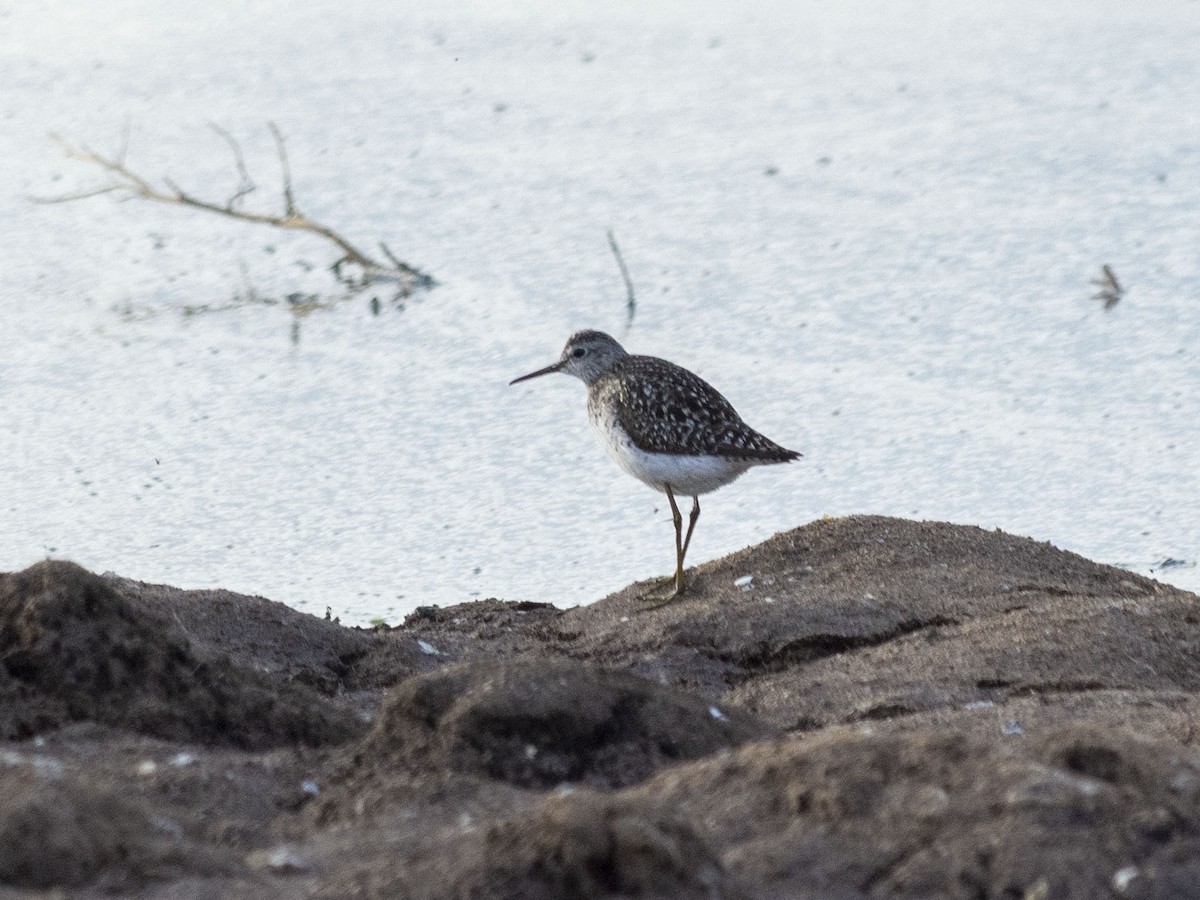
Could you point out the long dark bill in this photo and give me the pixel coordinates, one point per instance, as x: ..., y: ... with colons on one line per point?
x: 546, y: 371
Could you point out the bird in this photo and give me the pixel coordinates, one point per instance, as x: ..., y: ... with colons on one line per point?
x: 665, y: 426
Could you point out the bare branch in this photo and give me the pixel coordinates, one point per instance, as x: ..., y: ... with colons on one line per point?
x: 245, y: 184
x: 419, y: 278
x: 125, y: 180
x: 401, y: 265
x: 386, y: 251
x: 631, y: 298
x: 288, y: 199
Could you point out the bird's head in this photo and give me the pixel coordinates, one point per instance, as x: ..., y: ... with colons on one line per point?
x: 587, y: 356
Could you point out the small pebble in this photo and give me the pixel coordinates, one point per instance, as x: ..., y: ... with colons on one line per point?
x: 428, y: 648
x: 744, y: 582
x: 182, y: 759
x: 1183, y: 783
x: 310, y: 787
x: 147, y: 767
x: 281, y: 860
x: 1122, y: 878
x: 168, y: 826
x: 716, y: 714
x: 46, y: 766
x: 43, y: 766
x: 1039, y: 890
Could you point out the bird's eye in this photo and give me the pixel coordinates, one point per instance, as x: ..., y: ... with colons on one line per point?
x: 578, y: 352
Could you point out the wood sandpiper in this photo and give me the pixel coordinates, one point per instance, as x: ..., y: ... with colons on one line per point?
x: 665, y: 426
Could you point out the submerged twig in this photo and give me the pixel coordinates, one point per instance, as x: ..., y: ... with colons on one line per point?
x: 126, y: 180
x: 1111, y: 290
x: 631, y: 298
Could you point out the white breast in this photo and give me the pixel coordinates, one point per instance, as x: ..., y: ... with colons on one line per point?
x: 689, y: 476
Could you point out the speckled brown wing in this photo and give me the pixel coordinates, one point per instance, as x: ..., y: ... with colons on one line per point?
x: 667, y: 409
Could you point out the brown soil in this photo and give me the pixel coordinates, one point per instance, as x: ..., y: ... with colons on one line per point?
x: 887, y: 709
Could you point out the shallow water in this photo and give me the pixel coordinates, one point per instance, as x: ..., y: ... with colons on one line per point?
x: 875, y: 234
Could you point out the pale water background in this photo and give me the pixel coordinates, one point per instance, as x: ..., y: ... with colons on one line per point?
x: 871, y: 225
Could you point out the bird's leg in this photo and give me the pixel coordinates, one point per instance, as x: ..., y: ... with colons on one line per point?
x: 680, y: 550
x: 680, y: 544
x: 695, y: 514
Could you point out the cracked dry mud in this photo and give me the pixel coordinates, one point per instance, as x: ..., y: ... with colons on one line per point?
x: 886, y: 709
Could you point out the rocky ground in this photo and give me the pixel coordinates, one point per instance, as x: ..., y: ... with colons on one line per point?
x: 861, y: 707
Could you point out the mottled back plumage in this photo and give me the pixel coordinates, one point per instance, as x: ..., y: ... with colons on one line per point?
x: 667, y: 409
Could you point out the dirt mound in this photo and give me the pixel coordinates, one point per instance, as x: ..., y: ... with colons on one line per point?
x: 73, y: 649
x: 64, y: 832
x: 586, y: 846
x: 256, y: 633
x: 1077, y: 814
x: 572, y: 844
x: 858, y: 708
x: 1115, y: 643
x: 843, y: 586
x: 540, y: 723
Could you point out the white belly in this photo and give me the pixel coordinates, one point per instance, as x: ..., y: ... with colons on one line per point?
x: 689, y: 476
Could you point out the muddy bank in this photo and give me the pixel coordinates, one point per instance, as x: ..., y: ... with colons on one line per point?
x: 861, y: 707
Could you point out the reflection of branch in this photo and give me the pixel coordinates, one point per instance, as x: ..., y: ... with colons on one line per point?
x: 1111, y: 290
x: 298, y: 304
x: 125, y: 180
x: 630, y: 298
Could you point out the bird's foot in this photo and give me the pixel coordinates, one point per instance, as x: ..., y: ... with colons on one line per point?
x: 666, y: 590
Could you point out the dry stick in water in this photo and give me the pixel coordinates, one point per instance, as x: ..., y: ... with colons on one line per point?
x: 1111, y: 290
x: 631, y: 299
x: 127, y: 181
